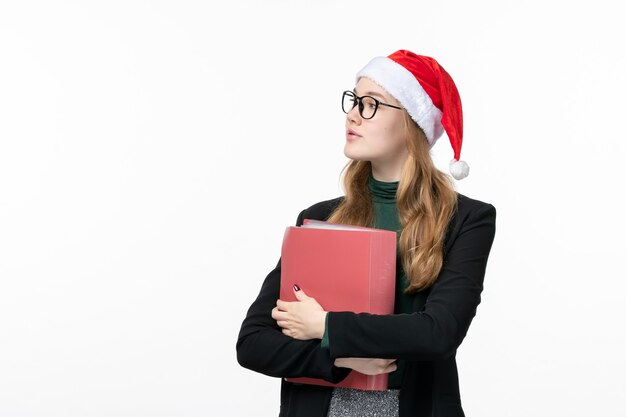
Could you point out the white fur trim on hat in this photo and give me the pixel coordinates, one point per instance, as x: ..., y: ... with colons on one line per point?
x: 404, y: 87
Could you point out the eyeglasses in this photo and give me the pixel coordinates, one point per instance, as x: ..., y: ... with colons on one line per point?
x: 367, y: 104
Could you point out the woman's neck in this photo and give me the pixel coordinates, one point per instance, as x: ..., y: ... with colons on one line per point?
x: 386, y: 174
x: 389, y: 170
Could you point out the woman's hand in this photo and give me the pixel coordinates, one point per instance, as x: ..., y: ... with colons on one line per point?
x: 368, y: 366
x: 304, y: 319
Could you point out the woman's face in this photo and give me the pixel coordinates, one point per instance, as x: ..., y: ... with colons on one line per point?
x: 381, y: 139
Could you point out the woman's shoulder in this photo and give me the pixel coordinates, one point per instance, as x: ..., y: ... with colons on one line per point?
x: 321, y: 210
x: 471, y: 212
x: 466, y: 204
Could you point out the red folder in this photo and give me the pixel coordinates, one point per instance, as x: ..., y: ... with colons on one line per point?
x: 345, y: 268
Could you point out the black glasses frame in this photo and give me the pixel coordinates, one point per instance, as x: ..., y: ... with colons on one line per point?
x: 359, y: 101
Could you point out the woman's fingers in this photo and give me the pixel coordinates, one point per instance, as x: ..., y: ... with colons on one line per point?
x: 282, y: 305
x: 305, y: 318
x: 294, y: 334
x: 279, y: 315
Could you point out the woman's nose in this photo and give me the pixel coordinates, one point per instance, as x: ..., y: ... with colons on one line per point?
x: 354, y: 116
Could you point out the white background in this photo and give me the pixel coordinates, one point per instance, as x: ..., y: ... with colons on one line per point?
x: 152, y: 153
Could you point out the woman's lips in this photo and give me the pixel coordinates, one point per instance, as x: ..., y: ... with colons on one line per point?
x: 351, y: 135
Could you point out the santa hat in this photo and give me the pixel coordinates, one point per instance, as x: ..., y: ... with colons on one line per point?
x: 428, y: 94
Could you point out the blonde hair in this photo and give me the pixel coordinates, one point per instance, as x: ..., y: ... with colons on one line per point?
x: 426, y: 202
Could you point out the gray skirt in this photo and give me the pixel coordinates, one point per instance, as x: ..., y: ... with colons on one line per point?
x: 347, y: 402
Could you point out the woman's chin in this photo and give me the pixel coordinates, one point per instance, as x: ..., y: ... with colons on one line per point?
x: 351, y: 154
x: 352, y: 157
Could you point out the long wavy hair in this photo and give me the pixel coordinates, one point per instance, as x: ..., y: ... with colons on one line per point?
x: 426, y: 202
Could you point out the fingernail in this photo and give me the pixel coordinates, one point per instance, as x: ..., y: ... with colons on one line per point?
x: 295, y: 287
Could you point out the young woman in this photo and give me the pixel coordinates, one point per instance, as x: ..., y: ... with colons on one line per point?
x: 398, y: 108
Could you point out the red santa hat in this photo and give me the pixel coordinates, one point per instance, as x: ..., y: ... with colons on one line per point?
x: 428, y: 94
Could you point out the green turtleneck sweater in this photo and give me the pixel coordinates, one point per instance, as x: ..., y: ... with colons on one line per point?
x: 386, y: 217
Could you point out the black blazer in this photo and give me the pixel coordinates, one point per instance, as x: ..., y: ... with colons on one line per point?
x: 427, y: 339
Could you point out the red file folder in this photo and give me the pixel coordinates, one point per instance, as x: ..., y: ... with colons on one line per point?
x: 345, y: 268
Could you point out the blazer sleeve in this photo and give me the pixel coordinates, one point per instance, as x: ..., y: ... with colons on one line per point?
x: 437, y: 330
x: 262, y: 347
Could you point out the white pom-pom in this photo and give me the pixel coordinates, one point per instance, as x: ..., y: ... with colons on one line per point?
x: 459, y: 169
